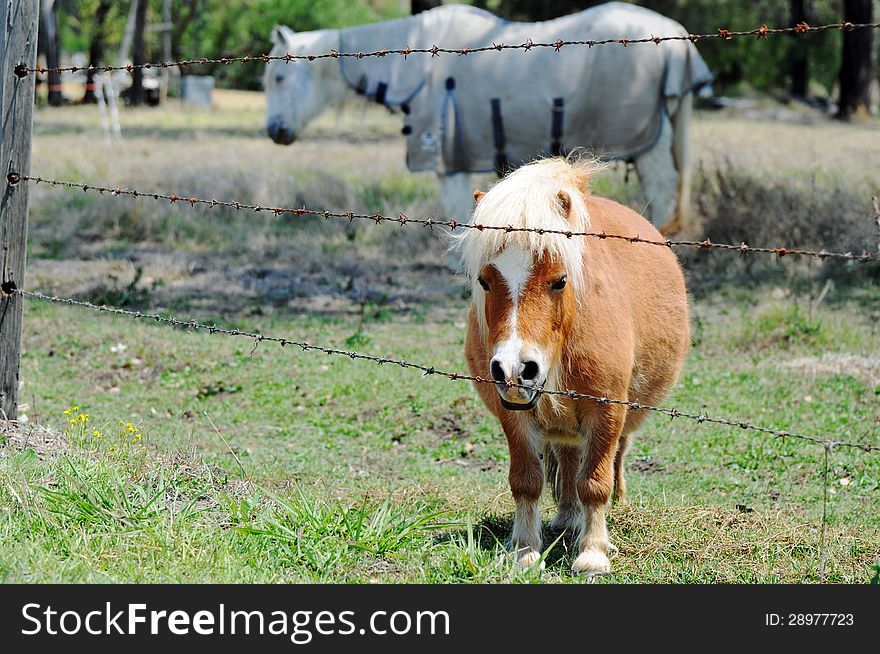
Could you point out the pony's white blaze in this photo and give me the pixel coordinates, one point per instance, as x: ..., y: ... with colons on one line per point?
x: 515, y: 265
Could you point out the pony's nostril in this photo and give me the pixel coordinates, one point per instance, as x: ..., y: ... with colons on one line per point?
x: 529, y: 371
x: 497, y: 372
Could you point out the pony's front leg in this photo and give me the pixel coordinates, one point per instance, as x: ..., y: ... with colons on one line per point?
x: 595, y: 483
x: 526, y: 483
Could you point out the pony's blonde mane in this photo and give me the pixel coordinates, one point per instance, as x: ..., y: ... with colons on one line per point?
x: 529, y: 198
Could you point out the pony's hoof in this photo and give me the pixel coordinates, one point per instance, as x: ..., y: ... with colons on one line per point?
x: 592, y: 562
x: 528, y: 559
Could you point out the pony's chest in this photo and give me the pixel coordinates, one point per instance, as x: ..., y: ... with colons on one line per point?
x: 563, y: 430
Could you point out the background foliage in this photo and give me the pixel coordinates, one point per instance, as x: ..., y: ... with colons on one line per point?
x: 215, y: 28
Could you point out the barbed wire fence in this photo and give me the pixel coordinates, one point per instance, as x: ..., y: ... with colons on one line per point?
x: 17, y: 82
x: 402, y: 219
x: 722, y: 34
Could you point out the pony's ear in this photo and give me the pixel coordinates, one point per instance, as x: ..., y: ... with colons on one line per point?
x: 564, y: 203
x: 478, y: 195
x: 281, y: 34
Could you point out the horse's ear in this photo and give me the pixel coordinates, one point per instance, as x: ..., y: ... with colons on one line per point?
x: 478, y: 195
x: 281, y: 34
x: 564, y: 203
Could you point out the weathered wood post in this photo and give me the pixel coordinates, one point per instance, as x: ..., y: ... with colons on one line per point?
x: 18, y: 50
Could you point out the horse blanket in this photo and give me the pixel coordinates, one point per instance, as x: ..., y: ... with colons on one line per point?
x: 496, y: 110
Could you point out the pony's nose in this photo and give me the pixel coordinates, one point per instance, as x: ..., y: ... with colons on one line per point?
x: 529, y: 370
x: 513, y: 371
x: 497, y: 372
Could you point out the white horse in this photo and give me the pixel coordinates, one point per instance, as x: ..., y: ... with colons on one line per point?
x: 496, y: 111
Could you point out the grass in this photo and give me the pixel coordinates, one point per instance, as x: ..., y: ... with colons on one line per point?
x: 249, y: 463
x: 322, y: 473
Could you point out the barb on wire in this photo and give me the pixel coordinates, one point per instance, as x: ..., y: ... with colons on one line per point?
x: 435, y: 50
x: 402, y: 219
x: 259, y: 337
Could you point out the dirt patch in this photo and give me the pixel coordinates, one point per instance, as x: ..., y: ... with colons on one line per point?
x: 20, y: 436
x: 645, y: 466
x: 222, y: 285
x: 864, y: 368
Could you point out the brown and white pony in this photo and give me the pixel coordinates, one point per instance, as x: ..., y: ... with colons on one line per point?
x: 598, y: 316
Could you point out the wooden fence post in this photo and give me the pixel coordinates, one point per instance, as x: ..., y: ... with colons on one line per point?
x: 18, y: 48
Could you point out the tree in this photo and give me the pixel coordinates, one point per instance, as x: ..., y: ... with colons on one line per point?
x: 50, y: 42
x: 96, y: 49
x: 799, y: 62
x: 418, y: 6
x: 139, y: 57
x: 855, y: 64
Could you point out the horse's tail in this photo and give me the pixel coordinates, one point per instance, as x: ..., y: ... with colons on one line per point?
x: 551, y: 470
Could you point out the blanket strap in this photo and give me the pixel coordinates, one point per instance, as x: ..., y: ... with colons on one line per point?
x: 381, y: 91
x: 556, y: 127
x: 502, y: 163
x: 361, y: 87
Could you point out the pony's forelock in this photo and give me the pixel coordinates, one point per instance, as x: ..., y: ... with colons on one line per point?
x: 529, y: 198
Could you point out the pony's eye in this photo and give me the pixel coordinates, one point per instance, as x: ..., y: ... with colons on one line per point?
x: 279, y: 79
x: 483, y: 283
x: 559, y: 284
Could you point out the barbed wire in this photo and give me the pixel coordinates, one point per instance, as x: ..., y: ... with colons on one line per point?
x: 875, y: 204
x: 259, y: 337
x: 721, y: 34
x: 402, y: 219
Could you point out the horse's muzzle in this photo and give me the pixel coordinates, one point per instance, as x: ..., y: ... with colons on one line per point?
x: 516, y: 406
x: 280, y: 134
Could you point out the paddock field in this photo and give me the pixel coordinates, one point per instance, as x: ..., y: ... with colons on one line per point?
x: 223, y: 460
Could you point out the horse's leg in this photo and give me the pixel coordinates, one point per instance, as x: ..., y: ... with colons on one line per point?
x: 595, y: 482
x: 619, y: 482
x: 457, y: 196
x: 568, y: 517
x: 659, y: 179
x: 526, y: 479
x: 682, y: 111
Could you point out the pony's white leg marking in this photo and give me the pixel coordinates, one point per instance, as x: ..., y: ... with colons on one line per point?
x: 457, y: 197
x: 526, y: 536
x: 659, y: 177
x: 595, y: 484
x: 595, y: 546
